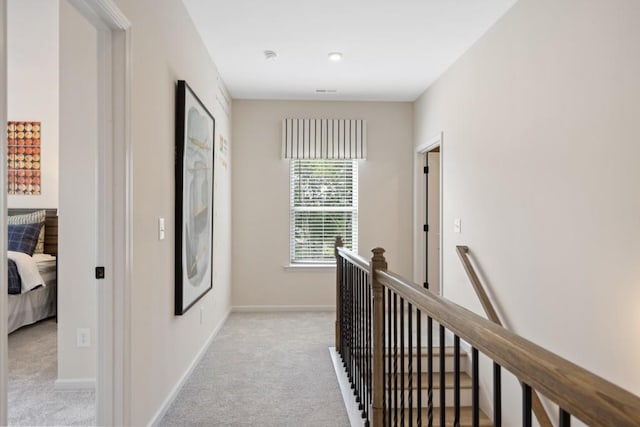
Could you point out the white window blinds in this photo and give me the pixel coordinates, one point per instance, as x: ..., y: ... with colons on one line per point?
x: 324, y: 139
x: 324, y: 204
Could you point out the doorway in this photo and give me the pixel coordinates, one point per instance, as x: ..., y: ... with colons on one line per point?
x: 432, y: 220
x: 428, y: 214
x: 113, y: 203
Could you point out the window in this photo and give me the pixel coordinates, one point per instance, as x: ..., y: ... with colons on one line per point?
x: 324, y: 204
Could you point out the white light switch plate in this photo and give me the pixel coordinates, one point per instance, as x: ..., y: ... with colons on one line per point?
x: 457, y: 225
x: 161, y: 228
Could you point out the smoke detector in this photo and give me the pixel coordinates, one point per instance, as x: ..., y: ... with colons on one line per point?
x: 270, y: 55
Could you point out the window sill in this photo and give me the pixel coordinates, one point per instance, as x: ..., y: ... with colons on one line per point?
x: 309, y: 267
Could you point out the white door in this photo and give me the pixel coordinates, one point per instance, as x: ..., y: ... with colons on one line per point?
x: 433, y: 221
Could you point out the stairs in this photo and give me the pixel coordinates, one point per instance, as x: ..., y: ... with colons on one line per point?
x: 465, y: 417
x: 410, y: 390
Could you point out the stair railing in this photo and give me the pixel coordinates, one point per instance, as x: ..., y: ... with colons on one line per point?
x: 376, y: 312
x: 463, y: 251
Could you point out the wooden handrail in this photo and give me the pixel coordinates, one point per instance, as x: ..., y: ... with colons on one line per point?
x: 359, y: 261
x: 477, y: 286
x: 538, y: 408
x: 585, y: 395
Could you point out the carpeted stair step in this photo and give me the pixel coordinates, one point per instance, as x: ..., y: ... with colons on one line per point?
x: 449, y: 379
x: 465, y: 417
x: 448, y: 361
x: 410, y: 398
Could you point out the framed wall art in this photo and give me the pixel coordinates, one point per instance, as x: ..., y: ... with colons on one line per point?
x: 195, y: 147
x: 23, y: 158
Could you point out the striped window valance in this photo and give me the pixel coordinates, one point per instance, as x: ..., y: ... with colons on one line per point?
x: 324, y: 139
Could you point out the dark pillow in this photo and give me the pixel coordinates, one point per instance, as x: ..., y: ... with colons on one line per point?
x: 23, y: 237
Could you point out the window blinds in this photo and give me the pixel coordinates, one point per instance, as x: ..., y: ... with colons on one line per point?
x: 324, y: 139
x: 324, y: 204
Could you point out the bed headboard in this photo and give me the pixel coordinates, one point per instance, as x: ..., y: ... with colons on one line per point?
x: 50, y: 228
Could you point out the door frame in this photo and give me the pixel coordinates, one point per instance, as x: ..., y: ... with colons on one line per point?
x: 4, y: 354
x: 115, y: 225
x: 419, y: 206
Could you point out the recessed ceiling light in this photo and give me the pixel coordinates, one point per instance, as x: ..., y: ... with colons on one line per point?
x: 335, y: 56
x: 270, y: 55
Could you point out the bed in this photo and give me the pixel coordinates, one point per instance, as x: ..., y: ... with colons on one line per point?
x: 33, y: 305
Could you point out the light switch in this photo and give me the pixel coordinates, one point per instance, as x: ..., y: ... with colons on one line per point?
x: 161, y: 228
x: 457, y: 225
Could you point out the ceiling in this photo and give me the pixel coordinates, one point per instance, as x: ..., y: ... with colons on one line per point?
x: 392, y: 50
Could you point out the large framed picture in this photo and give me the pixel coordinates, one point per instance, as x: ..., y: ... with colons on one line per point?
x: 195, y: 147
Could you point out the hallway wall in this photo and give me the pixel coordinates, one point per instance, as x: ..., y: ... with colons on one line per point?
x: 167, y: 48
x: 540, y: 122
x: 261, y: 198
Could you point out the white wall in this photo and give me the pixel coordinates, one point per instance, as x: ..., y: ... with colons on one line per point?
x: 540, y: 163
x: 32, y: 81
x: 167, y: 48
x: 261, y: 198
x: 78, y: 184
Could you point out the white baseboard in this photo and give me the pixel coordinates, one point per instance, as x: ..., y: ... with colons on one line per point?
x: 281, y: 308
x: 75, y: 385
x: 196, y: 360
x: 354, y: 414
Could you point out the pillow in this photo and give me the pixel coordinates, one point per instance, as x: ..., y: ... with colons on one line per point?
x: 23, y: 237
x: 36, y: 217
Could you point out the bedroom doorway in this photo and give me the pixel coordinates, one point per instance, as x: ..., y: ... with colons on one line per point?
x: 428, y: 210
x: 112, y: 201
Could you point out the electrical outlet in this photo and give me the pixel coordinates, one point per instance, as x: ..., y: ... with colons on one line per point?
x: 83, y: 338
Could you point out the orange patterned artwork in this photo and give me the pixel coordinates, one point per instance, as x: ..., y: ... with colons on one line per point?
x: 23, y: 159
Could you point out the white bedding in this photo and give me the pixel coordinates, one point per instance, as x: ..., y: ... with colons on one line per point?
x: 28, y: 270
x: 38, y: 303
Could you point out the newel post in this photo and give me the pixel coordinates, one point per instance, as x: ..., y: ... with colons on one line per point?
x: 378, y: 262
x: 338, y: 244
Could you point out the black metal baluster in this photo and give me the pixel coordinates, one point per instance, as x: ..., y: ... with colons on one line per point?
x: 497, y: 396
x: 526, y: 405
x: 365, y: 349
x: 345, y: 314
x: 419, y: 366
x: 410, y: 361
x: 430, y: 370
x: 475, y: 372
x: 395, y: 357
x: 402, y: 372
x: 565, y: 418
x: 443, y: 388
x: 346, y: 310
x: 456, y: 381
x: 369, y: 346
x: 352, y: 332
x: 363, y: 354
x: 389, y: 359
x: 360, y: 346
x: 385, y: 370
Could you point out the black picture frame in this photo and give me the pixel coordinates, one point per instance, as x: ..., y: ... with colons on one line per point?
x: 195, y: 148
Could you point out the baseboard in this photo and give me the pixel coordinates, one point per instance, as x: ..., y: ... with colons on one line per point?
x: 350, y: 404
x: 176, y: 389
x: 74, y: 385
x: 281, y: 308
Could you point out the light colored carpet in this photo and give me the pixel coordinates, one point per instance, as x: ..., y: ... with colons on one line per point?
x: 264, y: 369
x: 33, y: 364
